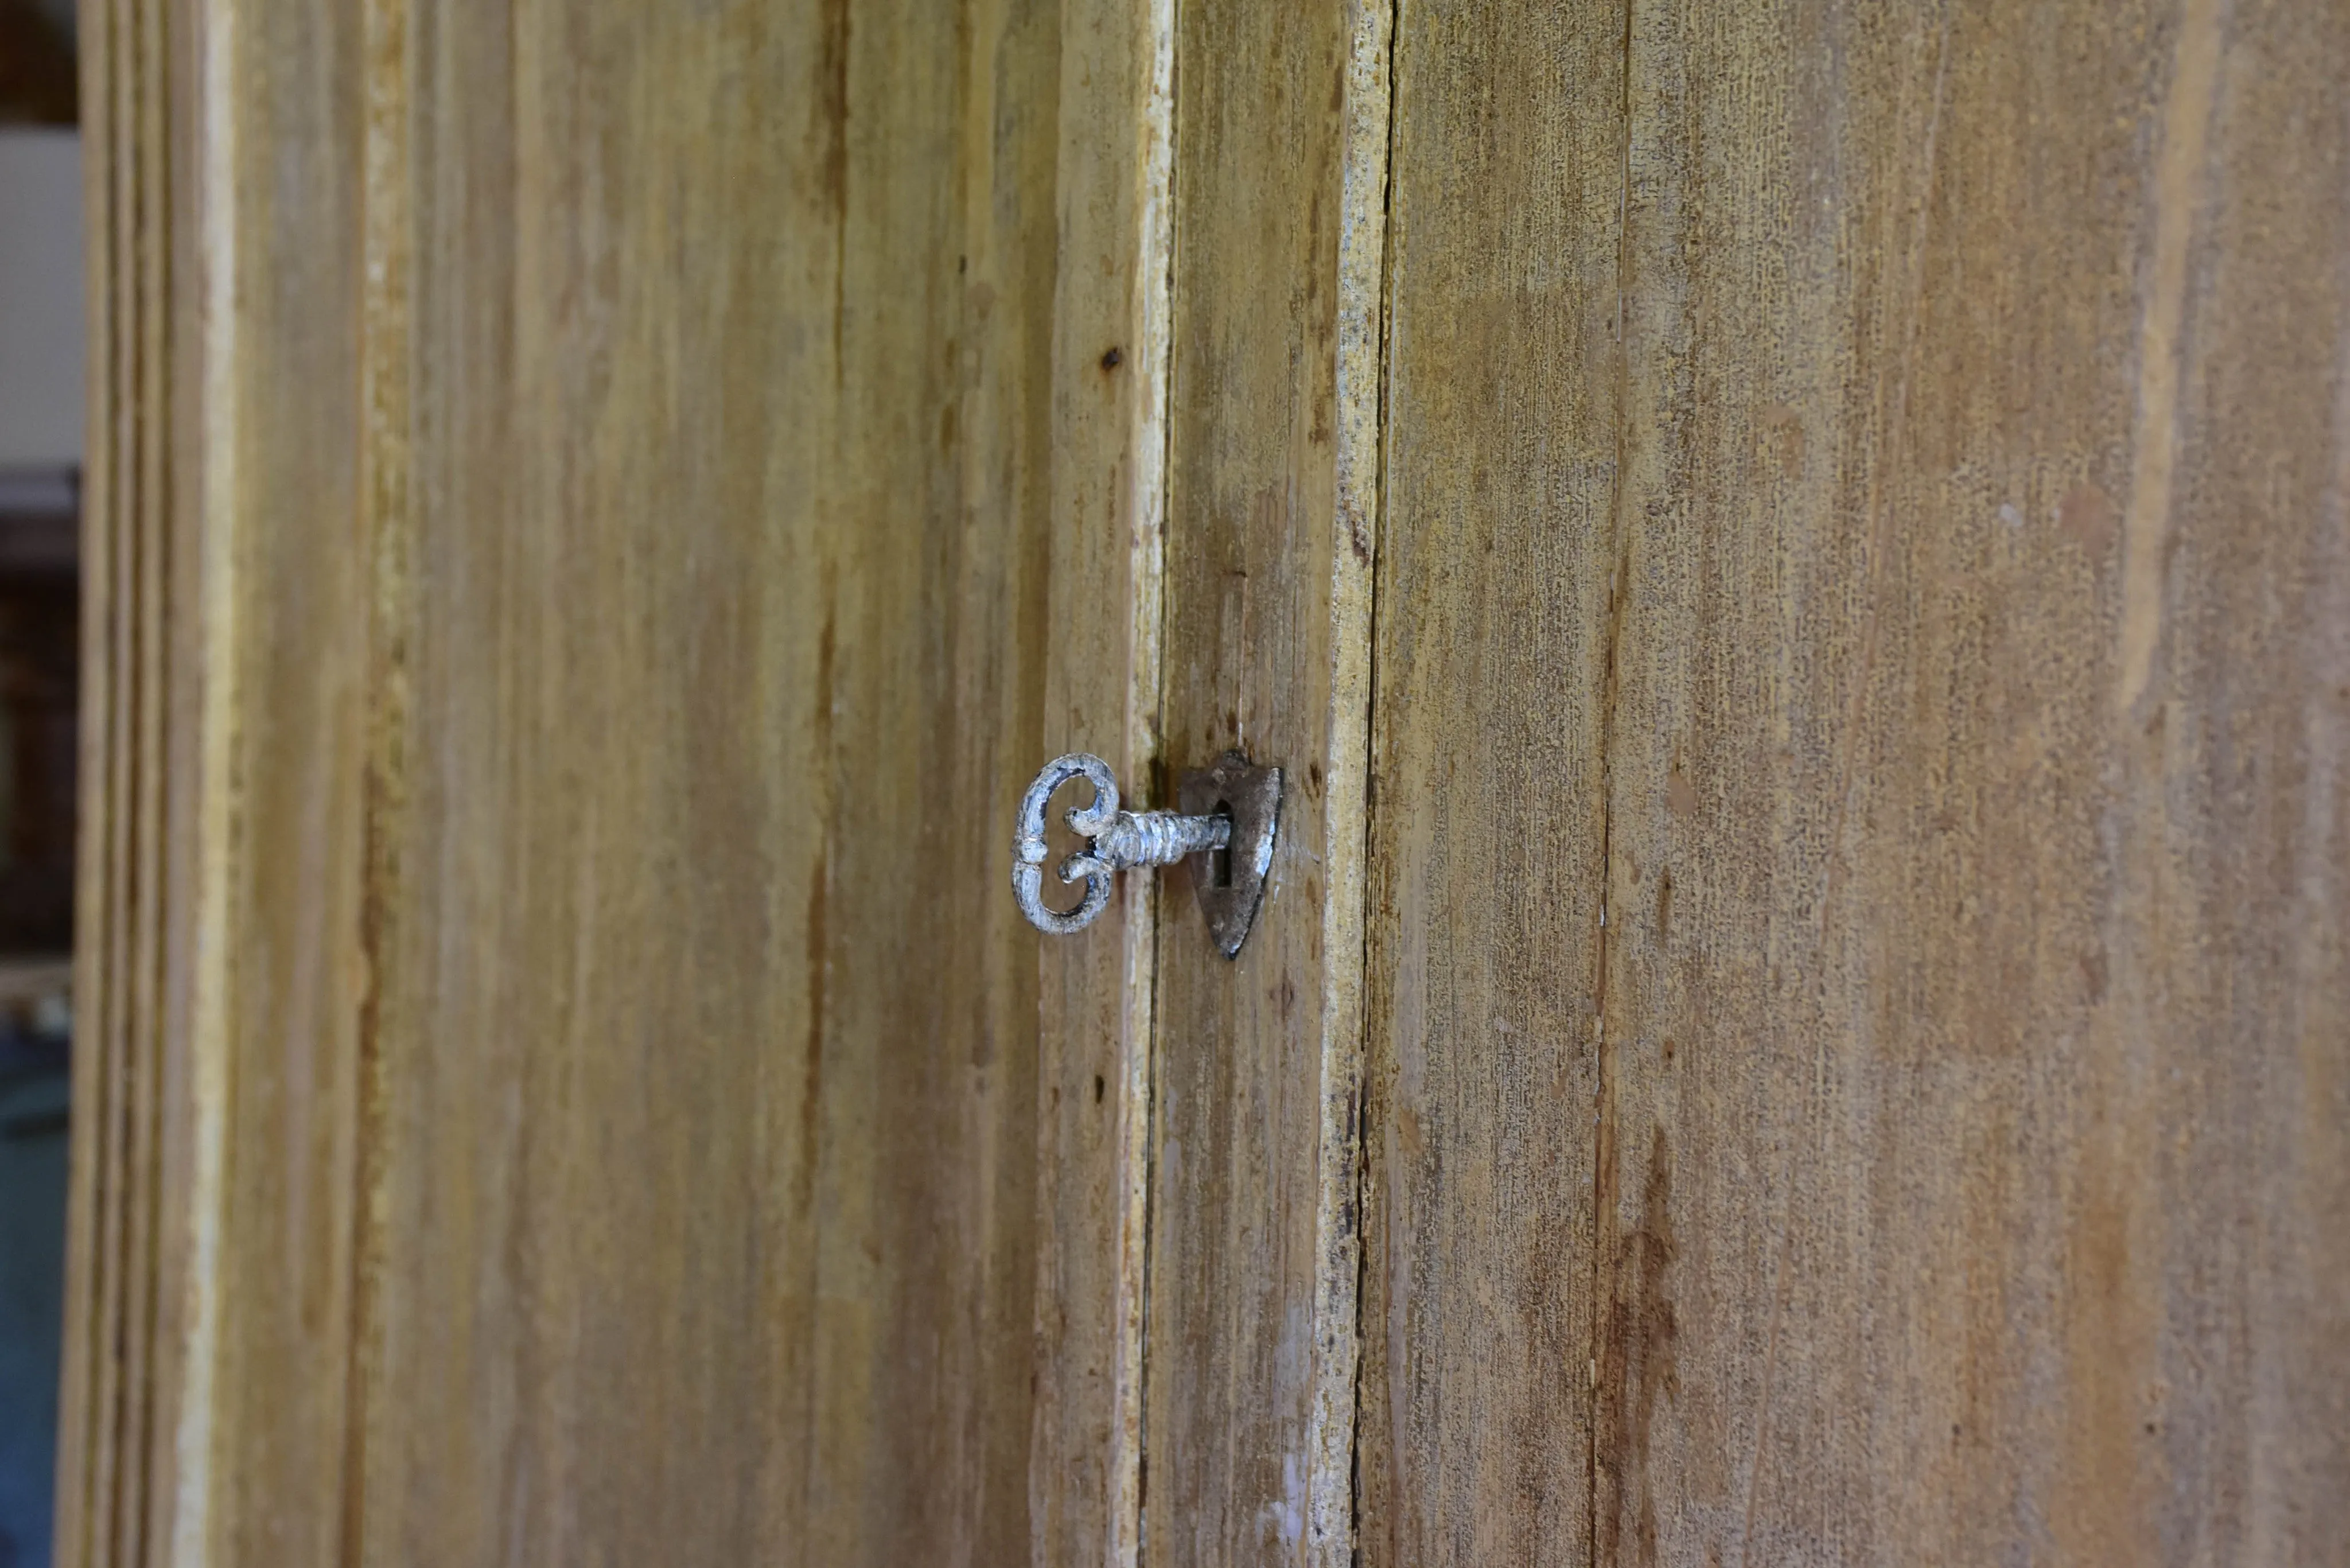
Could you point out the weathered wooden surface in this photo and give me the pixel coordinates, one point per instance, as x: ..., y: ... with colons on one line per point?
x: 1494, y: 619
x: 599, y: 509
x: 1979, y: 1007
x: 209, y: 1335
x: 121, y: 1360
x: 579, y: 531
x: 278, y: 980
x: 1280, y: 184
x: 707, y: 1036
x: 1109, y: 332
x: 1966, y: 742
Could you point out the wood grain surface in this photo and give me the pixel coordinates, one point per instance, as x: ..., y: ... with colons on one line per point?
x: 209, y: 1337
x: 575, y: 532
x: 1110, y: 333
x: 1280, y: 179
x: 716, y: 577
x: 1978, y: 1107
x: 1494, y: 627
x: 122, y: 1350
x: 1796, y: 558
x: 1963, y: 723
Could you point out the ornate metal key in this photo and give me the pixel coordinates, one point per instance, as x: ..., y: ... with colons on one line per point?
x: 1226, y: 829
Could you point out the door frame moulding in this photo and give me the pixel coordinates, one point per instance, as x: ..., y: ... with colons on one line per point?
x: 136, y: 1382
x: 220, y: 954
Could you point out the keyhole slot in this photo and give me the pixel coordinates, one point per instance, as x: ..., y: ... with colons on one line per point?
x: 1220, y: 859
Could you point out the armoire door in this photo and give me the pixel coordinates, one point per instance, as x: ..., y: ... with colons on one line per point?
x: 599, y: 508
x: 1859, y: 1026
x: 1795, y: 559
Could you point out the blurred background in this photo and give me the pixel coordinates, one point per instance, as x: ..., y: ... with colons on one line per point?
x: 41, y: 437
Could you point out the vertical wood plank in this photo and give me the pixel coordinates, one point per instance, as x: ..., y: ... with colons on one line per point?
x: 1110, y: 337
x: 1957, y: 744
x: 576, y: 535
x: 275, y: 881
x: 93, y: 1399
x: 718, y: 572
x: 1280, y: 187
x: 207, y: 1332
x: 1496, y: 596
x: 1977, y: 975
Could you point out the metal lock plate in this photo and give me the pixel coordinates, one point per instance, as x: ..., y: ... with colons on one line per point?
x: 1230, y: 881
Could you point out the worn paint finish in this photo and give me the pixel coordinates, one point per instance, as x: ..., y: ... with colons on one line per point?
x: 1332, y: 1472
